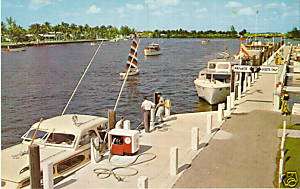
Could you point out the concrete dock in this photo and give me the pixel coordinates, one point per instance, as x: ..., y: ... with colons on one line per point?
x: 173, y: 133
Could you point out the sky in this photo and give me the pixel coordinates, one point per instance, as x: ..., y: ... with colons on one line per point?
x: 252, y: 15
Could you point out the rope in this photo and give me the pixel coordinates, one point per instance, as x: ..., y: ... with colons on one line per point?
x: 103, y: 173
x: 125, y: 79
x: 86, y: 69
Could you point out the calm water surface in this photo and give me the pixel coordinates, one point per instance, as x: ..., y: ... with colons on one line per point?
x: 39, y: 81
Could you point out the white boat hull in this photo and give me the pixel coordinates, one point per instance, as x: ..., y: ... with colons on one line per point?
x: 131, y: 73
x: 211, y: 92
x: 151, y: 52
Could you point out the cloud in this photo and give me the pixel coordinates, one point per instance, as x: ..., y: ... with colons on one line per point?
x: 247, y: 11
x: 201, y: 10
x: 93, y: 9
x: 155, y: 4
x: 233, y: 4
x: 238, y: 8
x: 136, y: 7
x: 275, y: 5
x: 36, y: 4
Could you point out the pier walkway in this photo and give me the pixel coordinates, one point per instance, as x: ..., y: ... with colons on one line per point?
x: 248, y: 158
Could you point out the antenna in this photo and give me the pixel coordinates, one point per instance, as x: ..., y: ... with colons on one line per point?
x: 255, y: 28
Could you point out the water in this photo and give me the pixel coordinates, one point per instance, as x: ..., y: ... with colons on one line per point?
x: 38, y: 82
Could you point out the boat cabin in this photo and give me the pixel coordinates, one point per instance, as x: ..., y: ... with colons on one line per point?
x: 63, y: 140
x: 218, y: 69
x: 153, y: 46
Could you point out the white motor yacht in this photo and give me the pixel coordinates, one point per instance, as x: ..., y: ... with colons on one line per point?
x: 213, y: 82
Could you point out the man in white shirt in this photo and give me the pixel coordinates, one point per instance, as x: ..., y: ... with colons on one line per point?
x: 120, y: 123
x: 146, y: 107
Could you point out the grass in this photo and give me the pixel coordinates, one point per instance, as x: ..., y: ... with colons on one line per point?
x: 290, y: 126
x: 292, y: 157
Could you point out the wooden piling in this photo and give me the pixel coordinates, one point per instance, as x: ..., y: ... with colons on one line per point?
x: 34, y: 166
x: 111, y: 119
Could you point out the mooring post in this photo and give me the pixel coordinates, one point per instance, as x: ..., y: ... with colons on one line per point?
x: 240, y: 91
x: 142, y: 182
x: 195, y: 138
x: 173, y: 161
x: 111, y: 119
x: 34, y: 166
x: 152, y: 117
x: 220, y: 113
x: 232, y: 99
x: 228, y: 104
x: 245, y: 84
x: 48, y: 175
x: 208, y: 123
x: 249, y: 81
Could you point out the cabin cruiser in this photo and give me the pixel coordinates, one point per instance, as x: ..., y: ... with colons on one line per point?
x: 152, y: 50
x: 213, y: 82
x: 63, y: 140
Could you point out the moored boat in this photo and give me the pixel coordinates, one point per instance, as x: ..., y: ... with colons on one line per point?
x: 152, y: 50
x: 213, y: 82
x: 63, y: 140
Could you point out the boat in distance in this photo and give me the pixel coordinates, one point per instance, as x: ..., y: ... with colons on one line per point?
x: 152, y: 50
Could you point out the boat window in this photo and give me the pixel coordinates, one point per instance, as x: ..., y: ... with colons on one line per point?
x: 223, y: 66
x: 69, y: 163
x: 212, y: 66
x: 38, y: 134
x: 86, y: 138
x: 60, y: 138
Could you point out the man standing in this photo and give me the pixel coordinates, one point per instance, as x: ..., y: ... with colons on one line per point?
x: 120, y: 123
x: 146, y: 107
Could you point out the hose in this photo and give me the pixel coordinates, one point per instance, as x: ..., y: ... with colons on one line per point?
x: 103, y: 173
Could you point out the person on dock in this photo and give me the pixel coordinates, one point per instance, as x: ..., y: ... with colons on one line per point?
x: 146, y: 107
x: 120, y: 123
x: 160, y: 109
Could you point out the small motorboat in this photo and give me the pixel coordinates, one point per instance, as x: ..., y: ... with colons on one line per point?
x: 152, y: 50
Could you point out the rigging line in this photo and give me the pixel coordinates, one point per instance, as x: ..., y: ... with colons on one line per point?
x: 137, y: 46
x: 86, y: 69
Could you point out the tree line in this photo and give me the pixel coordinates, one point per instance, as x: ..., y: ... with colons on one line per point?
x: 12, y: 32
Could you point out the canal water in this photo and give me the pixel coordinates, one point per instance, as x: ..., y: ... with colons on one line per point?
x: 39, y: 81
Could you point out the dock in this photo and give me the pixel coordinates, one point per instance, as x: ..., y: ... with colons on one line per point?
x: 173, y: 133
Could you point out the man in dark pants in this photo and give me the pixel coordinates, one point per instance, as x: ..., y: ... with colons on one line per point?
x: 146, y: 107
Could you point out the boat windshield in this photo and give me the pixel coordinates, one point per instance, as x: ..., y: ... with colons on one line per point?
x: 60, y: 139
x: 37, y: 134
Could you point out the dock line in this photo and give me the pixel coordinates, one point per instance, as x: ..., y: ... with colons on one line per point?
x: 103, y: 173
